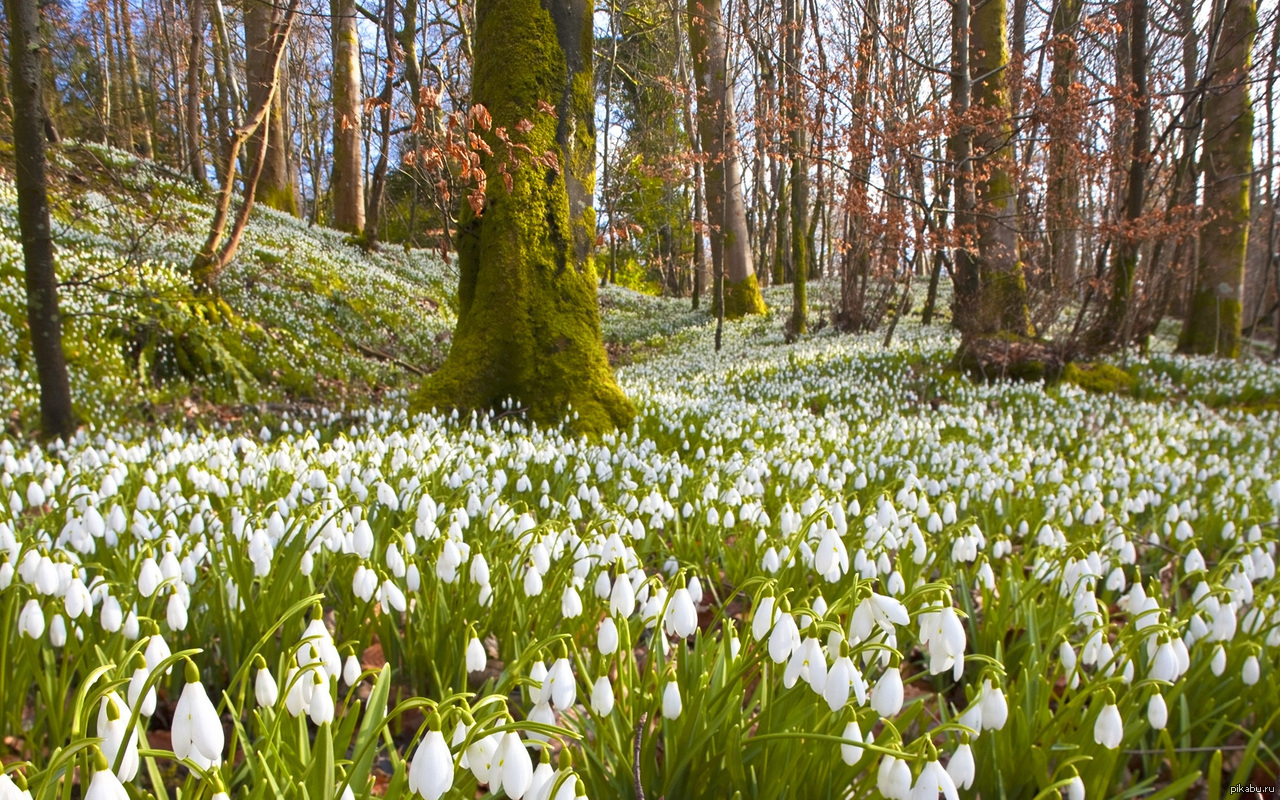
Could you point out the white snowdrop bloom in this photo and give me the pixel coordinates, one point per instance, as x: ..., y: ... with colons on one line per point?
x: 893, y: 778
x: 351, y: 670
x: 117, y: 735
x: 391, y: 597
x: 176, y: 613
x: 843, y: 678
x: 784, y: 638
x: 1219, y: 662
x: 851, y: 753
x: 543, y: 713
x: 995, y: 708
x: 932, y: 781
x: 57, y: 631
x: 516, y: 766
x: 298, y: 690
x: 771, y: 562
x: 560, y: 684
x: 104, y: 785
x: 622, y: 600
x: 479, y: 570
x: 265, y: 690
x: 607, y: 637
x: 431, y: 769
x: 149, y: 577
x: 31, y: 620
x: 961, y: 767
x: 1157, y: 712
x: 1108, y: 728
x: 682, y: 616
x: 887, y: 695
x: 1075, y: 789
x: 35, y: 495
x: 945, y: 638
x: 539, y: 692
x: 1164, y: 666
x: 146, y: 704
x: 197, y: 731
x: 111, y: 616
x: 1250, y: 672
x: 10, y: 791
x: 318, y: 636
x: 320, y: 707
x: 671, y: 702
x: 481, y: 757
x: 476, y: 657
x: 602, y: 696
x: 570, y: 602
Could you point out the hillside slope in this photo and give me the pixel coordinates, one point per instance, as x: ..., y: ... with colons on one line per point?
x: 307, y: 316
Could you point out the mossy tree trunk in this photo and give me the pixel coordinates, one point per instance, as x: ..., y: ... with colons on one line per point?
x: 528, y: 320
x: 275, y: 189
x: 348, y: 161
x: 727, y: 215
x: 964, y: 300
x: 31, y: 181
x: 1214, y: 321
x: 1002, y: 303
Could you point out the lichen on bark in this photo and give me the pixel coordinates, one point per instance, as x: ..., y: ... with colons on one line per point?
x: 528, y: 322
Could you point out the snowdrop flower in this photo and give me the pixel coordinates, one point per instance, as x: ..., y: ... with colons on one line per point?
x: 431, y: 770
x: 933, y: 779
x: 842, y: 678
x: 320, y: 708
x: 672, y: 705
x: 146, y: 704
x: 482, y: 755
x: 1157, y: 712
x: 570, y: 602
x: 516, y: 766
x: 10, y: 790
x: 31, y: 620
x: 602, y: 696
x: 893, y: 778
x: 560, y: 684
x: 682, y: 617
x: 995, y: 708
x: 351, y: 670
x: 1108, y: 728
x: 607, y: 637
x: 1219, y: 663
x: 763, y: 619
x: 104, y: 785
x: 265, y: 690
x: 1250, y: 672
x: 1075, y: 789
x: 197, y: 730
x: 887, y: 695
x: 784, y: 639
x: 176, y: 614
x: 851, y: 753
x: 149, y: 577
x: 477, y: 659
x: 117, y: 735
x: 961, y: 767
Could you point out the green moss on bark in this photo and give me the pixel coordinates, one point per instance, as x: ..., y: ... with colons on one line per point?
x: 529, y: 324
x: 743, y: 298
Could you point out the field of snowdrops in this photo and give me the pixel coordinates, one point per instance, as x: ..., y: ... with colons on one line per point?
x: 816, y: 570
x: 820, y: 570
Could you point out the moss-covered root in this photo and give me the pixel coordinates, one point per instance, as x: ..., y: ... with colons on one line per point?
x: 529, y: 323
x: 743, y: 298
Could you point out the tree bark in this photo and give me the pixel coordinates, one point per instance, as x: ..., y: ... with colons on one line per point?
x: 1002, y: 305
x: 964, y: 308
x: 730, y: 239
x: 1062, y: 185
x: 275, y: 189
x: 528, y: 317
x: 138, y: 110
x: 799, y: 256
x: 1214, y: 322
x: 348, y: 162
x: 31, y: 181
x: 195, y: 87
x: 857, y: 258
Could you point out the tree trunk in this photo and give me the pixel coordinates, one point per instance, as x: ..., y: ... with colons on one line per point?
x: 378, y: 184
x: 1062, y: 186
x: 138, y: 112
x: 1109, y: 328
x: 799, y: 256
x: 964, y: 305
x: 857, y: 261
x: 195, y: 86
x: 1213, y: 324
x: 1002, y: 305
x: 528, y: 318
x: 31, y: 181
x: 699, y: 220
x: 730, y: 240
x: 348, y: 163
x: 274, y: 189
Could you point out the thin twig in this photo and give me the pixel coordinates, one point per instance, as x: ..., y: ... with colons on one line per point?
x: 635, y: 766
